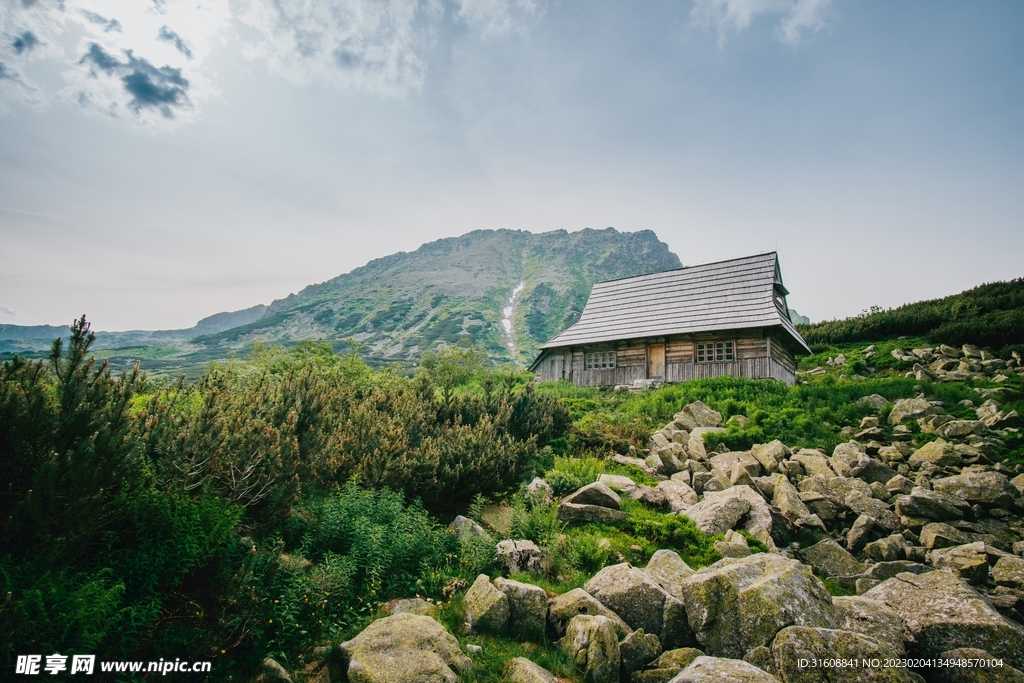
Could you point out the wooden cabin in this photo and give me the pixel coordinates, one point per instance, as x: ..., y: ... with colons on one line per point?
x: 715, y: 319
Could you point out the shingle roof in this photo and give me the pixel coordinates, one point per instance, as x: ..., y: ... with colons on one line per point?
x: 727, y: 295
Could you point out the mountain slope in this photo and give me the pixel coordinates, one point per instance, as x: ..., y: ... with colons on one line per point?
x: 400, y: 305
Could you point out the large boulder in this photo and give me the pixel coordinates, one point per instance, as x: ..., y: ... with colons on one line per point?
x: 695, y: 446
x: 758, y: 518
x: 814, y: 463
x: 968, y: 561
x: 697, y: 414
x: 797, y: 643
x: 597, y: 493
x: 716, y: 515
x: 594, y: 647
x: 986, y: 488
x: 528, y: 608
x: 938, y: 453
x: 573, y: 514
x: 726, y: 462
x: 874, y: 508
x: 1009, y: 571
x: 909, y: 409
x: 929, y: 504
x: 487, y: 608
x: 641, y: 603
x: 845, y: 456
x: 828, y: 558
x: 870, y: 618
x: 404, y: 648
x: 678, y: 495
x: 467, y: 530
x: 737, y: 604
x: 941, y: 612
x: 939, y: 535
x: 668, y: 570
x: 718, y: 669
x: 562, y: 608
x: 618, y: 483
x: 522, y: 670
x: 511, y: 556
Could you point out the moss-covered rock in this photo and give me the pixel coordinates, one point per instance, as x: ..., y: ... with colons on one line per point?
x: 594, y: 647
x: 940, y: 612
x: 641, y: 603
x: 528, y: 608
x: 717, y: 669
x: 522, y: 670
x: 487, y: 608
x: 404, y: 648
x: 981, y: 671
x: 637, y: 650
x: 737, y: 604
x: 797, y: 643
x: 562, y: 608
x: 871, y: 618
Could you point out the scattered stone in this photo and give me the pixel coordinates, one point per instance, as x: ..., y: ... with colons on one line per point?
x: 866, y: 505
x: 641, y: 603
x: 593, y: 646
x: 935, y: 505
x: 939, y: 535
x: 595, y: 494
x: 466, y: 529
x: 573, y: 514
x: 1009, y: 571
x: 405, y: 648
x: 967, y: 561
x: 539, y: 491
x: 410, y: 606
x: 938, y: 453
x: 909, y: 409
x: 669, y: 571
x: 769, y: 455
x: 714, y: 515
x: 678, y: 495
x: 697, y: 414
x: 667, y: 666
x: 618, y: 483
x: 888, y: 549
x: 987, y: 488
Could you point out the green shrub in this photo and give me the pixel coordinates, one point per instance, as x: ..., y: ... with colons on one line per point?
x: 570, y: 474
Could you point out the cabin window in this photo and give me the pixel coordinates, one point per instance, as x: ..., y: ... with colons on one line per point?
x: 600, y: 360
x: 716, y: 352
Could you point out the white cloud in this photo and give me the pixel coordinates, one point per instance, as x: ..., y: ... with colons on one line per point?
x: 497, y: 17
x: 797, y: 17
x: 367, y: 44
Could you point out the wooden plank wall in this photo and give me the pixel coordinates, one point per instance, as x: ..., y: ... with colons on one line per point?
x: 752, y: 361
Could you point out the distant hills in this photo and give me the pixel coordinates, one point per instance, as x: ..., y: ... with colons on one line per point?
x: 506, y: 290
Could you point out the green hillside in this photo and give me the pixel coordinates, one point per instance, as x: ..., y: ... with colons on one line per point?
x: 991, y: 315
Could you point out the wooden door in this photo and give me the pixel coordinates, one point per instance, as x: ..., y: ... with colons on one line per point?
x: 656, y: 361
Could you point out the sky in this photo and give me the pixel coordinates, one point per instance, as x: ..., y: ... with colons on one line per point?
x: 164, y: 160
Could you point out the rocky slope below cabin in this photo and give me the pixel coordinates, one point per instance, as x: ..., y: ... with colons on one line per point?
x: 879, y: 561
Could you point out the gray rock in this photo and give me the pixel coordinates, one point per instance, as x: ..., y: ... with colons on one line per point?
x: 272, y: 672
x: 845, y: 456
x: 737, y: 604
x: 697, y: 414
x: 938, y: 453
x: 909, y: 409
x: 573, y: 514
x: 487, y: 608
x: 667, y: 666
x: 410, y: 606
x: 872, y: 471
x: 618, y: 483
x: 935, y: 505
x: 678, y: 495
x: 695, y: 446
x: 641, y: 603
x: 595, y: 494
x: 466, y: 529
x: 668, y: 570
x: 539, y: 491
x: 865, y: 505
x: 859, y: 532
x: 522, y: 670
x: 875, y: 401
x: 814, y: 462
x: 870, y: 618
x: 888, y: 549
x: 528, y: 609
x: 562, y: 608
x: 717, y: 669
x: 769, y: 455
x: 512, y: 556
x: 967, y: 561
x: 940, y: 612
x: 593, y: 646
x: 715, y: 515
x: 828, y: 558
x: 725, y: 463
x: 405, y: 648
x: 763, y: 659
x: 637, y: 650
x: 1009, y: 571
x: 939, y: 535
x: 797, y: 643
x: 987, y: 488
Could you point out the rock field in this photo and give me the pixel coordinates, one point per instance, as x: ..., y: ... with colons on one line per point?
x: 926, y: 544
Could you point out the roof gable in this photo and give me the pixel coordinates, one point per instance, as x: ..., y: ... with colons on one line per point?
x: 726, y: 295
